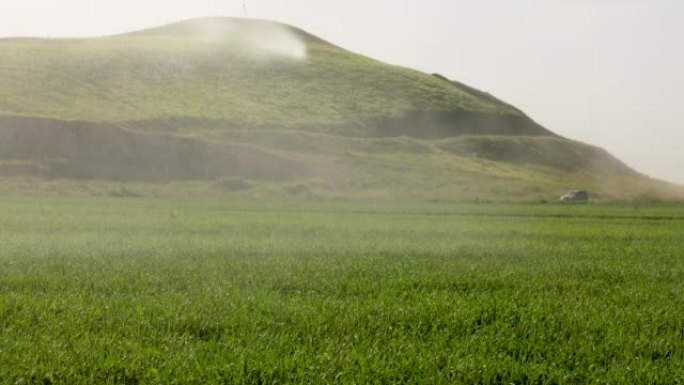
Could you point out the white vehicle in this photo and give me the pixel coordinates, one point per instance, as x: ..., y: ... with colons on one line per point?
x: 575, y: 196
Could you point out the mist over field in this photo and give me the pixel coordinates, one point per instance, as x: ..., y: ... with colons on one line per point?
x: 231, y: 200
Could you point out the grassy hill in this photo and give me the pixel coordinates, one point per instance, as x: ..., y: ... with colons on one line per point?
x: 263, y: 107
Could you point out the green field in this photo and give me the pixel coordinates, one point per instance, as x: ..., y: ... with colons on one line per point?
x: 160, y: 291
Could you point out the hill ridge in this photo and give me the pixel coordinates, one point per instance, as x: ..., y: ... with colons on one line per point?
x: 216, y: 98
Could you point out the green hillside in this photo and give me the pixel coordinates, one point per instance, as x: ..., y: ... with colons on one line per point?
x: 276, y: 109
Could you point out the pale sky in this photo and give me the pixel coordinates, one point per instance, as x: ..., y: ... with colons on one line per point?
x: 606, y: 72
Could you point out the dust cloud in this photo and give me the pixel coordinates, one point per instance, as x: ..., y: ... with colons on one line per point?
x: 262, y: 39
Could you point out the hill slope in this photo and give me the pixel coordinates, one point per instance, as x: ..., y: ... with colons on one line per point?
x: 213, y: 98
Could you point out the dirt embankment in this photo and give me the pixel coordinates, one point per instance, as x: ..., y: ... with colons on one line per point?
x: 85, y: 150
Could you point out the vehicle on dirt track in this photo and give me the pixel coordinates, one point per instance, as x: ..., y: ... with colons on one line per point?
x: 575, y: 196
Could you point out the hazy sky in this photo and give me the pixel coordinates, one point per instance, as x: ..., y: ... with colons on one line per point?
x: 607, y: 72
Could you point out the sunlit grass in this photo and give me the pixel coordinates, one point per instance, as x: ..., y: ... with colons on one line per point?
x: 171, y: 291
x: 162, y: 76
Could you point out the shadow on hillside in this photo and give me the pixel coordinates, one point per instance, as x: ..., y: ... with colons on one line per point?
x: 83, y: 150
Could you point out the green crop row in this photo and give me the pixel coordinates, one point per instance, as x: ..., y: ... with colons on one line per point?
x: 145, y: 291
